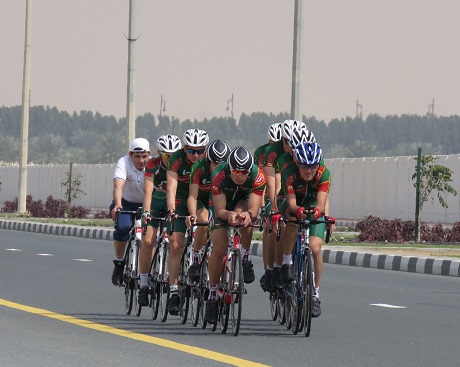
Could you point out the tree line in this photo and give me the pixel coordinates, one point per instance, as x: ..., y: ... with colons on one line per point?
x: 86, y: 137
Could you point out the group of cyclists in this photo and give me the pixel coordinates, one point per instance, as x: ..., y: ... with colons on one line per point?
x: 210, y: 182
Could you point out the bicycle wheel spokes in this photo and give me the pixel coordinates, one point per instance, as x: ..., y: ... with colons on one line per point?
x: 296, y: 299
x: 308, y: 292
x: 274, y: 305
x: 195, y: 304
x: 136, y: 278
x: 184, y: 293
x: 164, y: 285
x: 236, y: 290
x: 204, y: 291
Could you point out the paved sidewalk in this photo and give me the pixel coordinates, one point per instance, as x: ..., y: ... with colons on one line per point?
x: 414, y: 260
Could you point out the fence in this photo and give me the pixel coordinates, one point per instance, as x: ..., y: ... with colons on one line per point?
x: 360, y: 187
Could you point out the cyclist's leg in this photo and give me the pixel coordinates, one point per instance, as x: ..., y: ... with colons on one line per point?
x: 201, y: 236
x: 246, y: 238
x: 316, y: 241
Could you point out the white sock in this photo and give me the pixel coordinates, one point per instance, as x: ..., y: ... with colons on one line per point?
x: 287, y: 259
x: 317, y: 293
x: 174, y: 288
x: 144, y: 280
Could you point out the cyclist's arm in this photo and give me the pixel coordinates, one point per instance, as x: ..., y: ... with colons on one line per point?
x: 118, y: 185
x: 171, y: 188
x: 292, y: 207
x: 321, y: 200
x: 271, y: 186
x: 192, y: 198
x: 254, y: 203
x: 220, y: 202
x: 148, y: 191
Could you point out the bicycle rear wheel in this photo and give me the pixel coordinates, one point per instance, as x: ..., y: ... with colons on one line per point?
x: 236, y: 289
x: 129, y: 294
x: 307, y: 293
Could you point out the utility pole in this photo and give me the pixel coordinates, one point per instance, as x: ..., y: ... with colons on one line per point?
x: 431, y: 109
x: 130, y: 114
x: 24, y: 152
x: 359, y: 109
x: 162, y: 105
x: 230, y: 102
x: 296, y: 112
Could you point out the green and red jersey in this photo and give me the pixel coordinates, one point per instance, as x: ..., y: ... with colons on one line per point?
x: 201, y: 176
x: 157, y: 171
x: 179, y: 164
x: 259, y: 155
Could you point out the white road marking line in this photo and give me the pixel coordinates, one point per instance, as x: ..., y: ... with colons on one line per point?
x: 386, y: 305
x: 13, y: 249
x: 81, y: 259
x: 45, y: 255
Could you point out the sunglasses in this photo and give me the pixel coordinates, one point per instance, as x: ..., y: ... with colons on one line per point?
x: 308, y: 166
x: 193, y: 151
x: 239, y: 172
x: 166, y: 155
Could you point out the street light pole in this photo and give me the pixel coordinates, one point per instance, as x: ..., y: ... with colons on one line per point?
x: 24, y: 152
x: 296, y: 112
x: 130, y: 114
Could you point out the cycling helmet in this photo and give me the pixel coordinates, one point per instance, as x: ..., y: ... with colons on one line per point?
x: 195, y: 138
x: 217, y: 151
x: 301, y: 135
x: 289, y: 126
x: 168, y: 143
x: 240, y: 159
x: 274, y: 132
x: 308, y: 153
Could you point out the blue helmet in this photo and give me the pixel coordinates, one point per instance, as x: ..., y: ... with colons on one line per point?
x: 308, y: 153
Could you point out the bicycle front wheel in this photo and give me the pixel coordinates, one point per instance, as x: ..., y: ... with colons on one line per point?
x: 236, y: 290
x: 184, y: 290
x: 155, y: 285
x: 274, y: 305
x: 165, y: 290
x: 136, y: 278
x: 129, y: 293
x: 296, y: 298
x: 307, y: 292
x: 204, y: 291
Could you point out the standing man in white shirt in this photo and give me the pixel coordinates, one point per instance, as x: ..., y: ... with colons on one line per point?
x: 128, y: 194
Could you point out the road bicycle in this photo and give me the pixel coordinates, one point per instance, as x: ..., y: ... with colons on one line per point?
x: 158, y: 274
x: 131, y: 276
x: 298, y: 296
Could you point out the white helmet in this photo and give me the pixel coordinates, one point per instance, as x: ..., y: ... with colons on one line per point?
x: 195, y: 138
x: 168, y: 143
x: 301, y: 135
x: 274, y: 132
x: 290, y: 125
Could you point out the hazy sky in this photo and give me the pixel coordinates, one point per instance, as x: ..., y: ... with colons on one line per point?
x: 393, y: 56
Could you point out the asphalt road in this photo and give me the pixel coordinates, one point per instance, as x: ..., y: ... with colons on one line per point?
x: 58, y: 308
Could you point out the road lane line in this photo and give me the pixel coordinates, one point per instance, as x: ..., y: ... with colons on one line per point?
x: 200, y: 352
x: 386, y: 305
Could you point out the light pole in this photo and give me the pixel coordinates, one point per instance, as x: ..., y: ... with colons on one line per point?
x: 296, y: 112
x: 24, y: 152
x: 130, y: 114
x: 230, y: 102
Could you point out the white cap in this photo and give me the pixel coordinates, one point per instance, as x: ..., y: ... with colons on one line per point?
x: 140, y: 145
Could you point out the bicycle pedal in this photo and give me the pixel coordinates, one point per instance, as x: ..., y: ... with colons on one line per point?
x: 245, y: 291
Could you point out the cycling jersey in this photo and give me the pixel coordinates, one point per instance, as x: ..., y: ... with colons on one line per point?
x: 222, y: 183
x: 157, y: 171
x: 201, y: 176
x: 305, y: 192
x: 272, y: 153
x: 259, y: 155
x: 179, y: 164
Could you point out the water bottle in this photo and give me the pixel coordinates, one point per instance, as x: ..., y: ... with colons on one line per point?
x: 138, y: 226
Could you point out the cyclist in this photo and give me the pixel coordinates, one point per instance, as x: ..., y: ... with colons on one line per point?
x: 274, y: 135
x: 237, y: 192
x: 272, y: 154
x: 128, y: 193
x: 199, y: 194
x: 177, y: 190
x: 305, y: 185
x: 154, y: 205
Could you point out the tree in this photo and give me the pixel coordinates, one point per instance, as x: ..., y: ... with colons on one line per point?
x: 433, y: 177
x: 72, y: 186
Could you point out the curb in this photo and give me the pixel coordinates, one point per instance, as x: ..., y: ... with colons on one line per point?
x: 410, y: 264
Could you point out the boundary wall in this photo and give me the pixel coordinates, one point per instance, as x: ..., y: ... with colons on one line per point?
x: 381, y: 187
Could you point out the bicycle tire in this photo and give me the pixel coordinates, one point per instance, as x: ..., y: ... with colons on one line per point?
x: 273, y: 305
x: 184, y: 290
x: 195, y: 304
x: 281, y: 310
x: 236, y: 289
x: 154, y: 286
x: 296, y: 302
x: 308, y: 293
x: 224, y: 306
x: 136, y: 284
x: 129, y: 294
x: 204, y: 291
x: 165, y: 290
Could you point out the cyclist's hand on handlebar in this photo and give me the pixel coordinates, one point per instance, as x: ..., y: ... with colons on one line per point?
x: 190, y: 220
x: 172, y: 214
x: 244, y: 218
x: 275, y: 220
x: 115, y: 211
x: 332, y: 220
x: 314, y: 213
x: 146, y: 217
